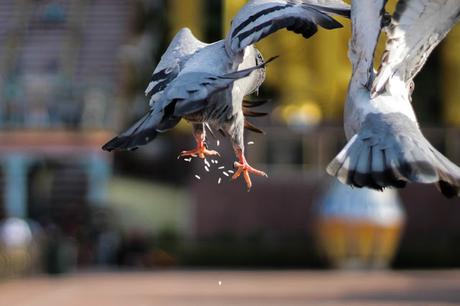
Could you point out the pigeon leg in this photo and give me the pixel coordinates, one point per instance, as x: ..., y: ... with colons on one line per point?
x: 244, y: 168
x: 201, y: 151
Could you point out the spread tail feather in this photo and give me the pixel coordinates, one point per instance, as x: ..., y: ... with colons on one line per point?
x: 390, y: 151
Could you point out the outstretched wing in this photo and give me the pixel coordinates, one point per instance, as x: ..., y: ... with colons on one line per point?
x: 418, y: 26
x: 181, y: 48
x: 184, y: 95
x: 260, y: 18
x: 189, y: 93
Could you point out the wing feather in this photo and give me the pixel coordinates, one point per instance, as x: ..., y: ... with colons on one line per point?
x: 418, y: 26
x: 189, y: 93
x: 181, y: 48
x: 260, y: 18
x: 366, y: 20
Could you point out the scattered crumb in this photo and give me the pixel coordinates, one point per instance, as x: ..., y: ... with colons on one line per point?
x: 188, y: 159
x: 198, y: 177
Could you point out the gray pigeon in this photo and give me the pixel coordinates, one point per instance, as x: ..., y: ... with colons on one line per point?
x: 205, y: 83
x: 386, y: 146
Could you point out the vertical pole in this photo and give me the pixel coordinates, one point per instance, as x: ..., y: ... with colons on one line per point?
x: 450, y: 63
x: 16, y: 185
x: 99, y: 171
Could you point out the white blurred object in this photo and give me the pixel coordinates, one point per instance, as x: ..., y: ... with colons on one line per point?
x: 15, y: 233
x: 359, y: 228
x: 362, y: 204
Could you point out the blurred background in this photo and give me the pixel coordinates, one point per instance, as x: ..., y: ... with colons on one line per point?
x: 73, y: 73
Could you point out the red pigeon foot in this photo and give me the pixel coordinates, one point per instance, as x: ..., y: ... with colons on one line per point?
x: 244, y: 168
x: 201, y: 151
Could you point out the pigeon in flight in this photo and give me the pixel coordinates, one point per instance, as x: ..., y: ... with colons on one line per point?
x: 205, y: 83
x: 386, y: 146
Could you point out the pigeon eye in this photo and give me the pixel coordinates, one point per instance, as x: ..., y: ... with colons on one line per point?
x: 411, y: 87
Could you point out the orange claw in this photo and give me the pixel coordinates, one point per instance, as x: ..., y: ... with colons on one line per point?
x: 199, y: 151
x: 245, y: 168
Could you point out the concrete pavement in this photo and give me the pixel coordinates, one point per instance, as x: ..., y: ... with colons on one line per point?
x: 236, y: 288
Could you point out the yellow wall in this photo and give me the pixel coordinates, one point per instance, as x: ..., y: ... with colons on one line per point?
x: 451, y: 80
x: 186, y: 13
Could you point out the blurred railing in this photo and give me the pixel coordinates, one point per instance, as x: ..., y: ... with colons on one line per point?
x: 286, y: 152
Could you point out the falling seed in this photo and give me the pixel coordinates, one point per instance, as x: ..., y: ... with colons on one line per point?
x: 188, y: 159
x: 197, y: 177
x: 215, y: 161
x: 231, y: 171
x: 225, y: 173
x: 221, y: 167
x: 219, y: 181
x: 220, y: 283
x: 206, y: 168
x: 207, y: 163
x: 250, y: 143
x: 218, y: 142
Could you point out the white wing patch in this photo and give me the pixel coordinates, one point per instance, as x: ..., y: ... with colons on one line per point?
x: 366, y: 16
